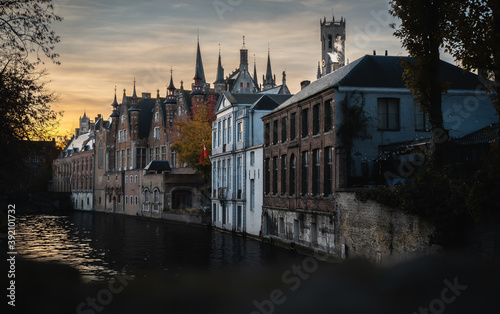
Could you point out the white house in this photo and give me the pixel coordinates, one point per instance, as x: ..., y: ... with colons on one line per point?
x: 238, y: 137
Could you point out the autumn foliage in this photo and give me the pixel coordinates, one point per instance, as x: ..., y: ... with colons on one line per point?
x: 191, y: 132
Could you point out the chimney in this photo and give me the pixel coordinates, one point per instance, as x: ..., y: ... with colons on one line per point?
x: 304, y: 84
x: 374, y: 52
x: 386, y: 53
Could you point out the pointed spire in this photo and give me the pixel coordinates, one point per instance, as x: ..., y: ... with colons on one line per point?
x: 243, y: 42
x: 269, y: 72
x: 255, y: 82
x: 318, y: 76
x: 134, y: 95
x: 171, y: 86
x: 171, y: 98
x: 220, y: 70
x: 200, y: 73
x: 115, y: 102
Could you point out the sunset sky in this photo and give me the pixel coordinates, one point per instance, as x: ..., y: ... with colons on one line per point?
x: 109, y: 42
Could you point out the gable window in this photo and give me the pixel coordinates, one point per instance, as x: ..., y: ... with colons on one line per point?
x: 305, y: 122
x: 293, y: 133
x: 275, y: 132
x: 156, y: 134
x: 157, y: 115
x: 122, y: 119
x: 283, y: 174
x: 315, y: 119
x: 388, y: 114
x: 305, y: 172
x: 328, y: 115
x: 421, y: 120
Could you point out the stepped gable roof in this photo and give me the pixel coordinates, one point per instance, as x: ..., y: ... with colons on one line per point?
x: 381, y: 72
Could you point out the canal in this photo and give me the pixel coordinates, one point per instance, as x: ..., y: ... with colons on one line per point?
x: 87, y: 263
x: 100, y: 245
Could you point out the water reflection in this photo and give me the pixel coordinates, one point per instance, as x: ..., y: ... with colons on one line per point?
x: 100, y: 245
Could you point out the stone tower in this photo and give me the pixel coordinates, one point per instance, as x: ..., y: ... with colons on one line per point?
x: 332, y: 45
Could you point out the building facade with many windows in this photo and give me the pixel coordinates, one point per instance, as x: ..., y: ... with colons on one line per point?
x: 237, y: 140
x: 309, y: 156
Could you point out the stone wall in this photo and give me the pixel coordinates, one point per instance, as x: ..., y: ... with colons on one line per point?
x: 350, y: 229
x: 373, y: 231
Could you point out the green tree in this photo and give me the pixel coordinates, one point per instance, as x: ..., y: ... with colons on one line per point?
x: 424, y: 24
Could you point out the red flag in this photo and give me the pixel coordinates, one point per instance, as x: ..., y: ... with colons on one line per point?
x: 204, y: 154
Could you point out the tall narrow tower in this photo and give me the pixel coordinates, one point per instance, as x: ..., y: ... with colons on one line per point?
x: 332, y: 45
x: 220, y: 83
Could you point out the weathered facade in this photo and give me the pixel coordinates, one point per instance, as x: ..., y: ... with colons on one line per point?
x: 306, y: 163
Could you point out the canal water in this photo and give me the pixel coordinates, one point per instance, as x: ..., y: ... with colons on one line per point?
x: 101, y: 245
x: 88, y: 263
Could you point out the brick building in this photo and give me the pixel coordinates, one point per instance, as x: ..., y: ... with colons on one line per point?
x: 306, y: 163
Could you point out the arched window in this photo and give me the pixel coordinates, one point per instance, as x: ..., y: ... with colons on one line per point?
x: 292, y: 174
x: 136, y: 200
x: 126, y: 200
x: 156, y: 196
x: 330, y: 43
x: 136, y: 179
x: 146, y: 196
x: 126, y: 178
x: 131, y: 199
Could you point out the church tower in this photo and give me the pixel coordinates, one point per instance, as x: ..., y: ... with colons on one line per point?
x: 332, y: 45
x: 199, y: 85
